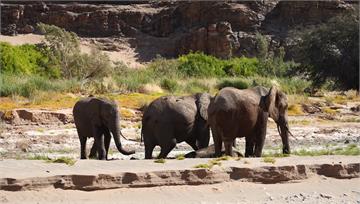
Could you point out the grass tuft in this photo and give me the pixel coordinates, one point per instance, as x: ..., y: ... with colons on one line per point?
x: 269, y: 160
x: 180, y: 157
x: 160, y: 161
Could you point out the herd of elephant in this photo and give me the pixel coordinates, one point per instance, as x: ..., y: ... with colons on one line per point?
x: 169, y: 120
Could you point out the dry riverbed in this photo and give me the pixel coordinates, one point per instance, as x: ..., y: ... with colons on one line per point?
x: 331, y: 129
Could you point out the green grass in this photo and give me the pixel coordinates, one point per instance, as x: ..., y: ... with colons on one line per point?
x: 350, y: 150
x: 66, y: 160
x: 211, y: 163
x: 203, y: 166
x: 222, y: 158
x: 160, y: 161
x: 38, y: 157
x: 180, y: 157
x: 238, y: 83
x: 269, y: 160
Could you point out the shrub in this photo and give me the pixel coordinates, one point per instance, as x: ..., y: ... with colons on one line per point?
x: 27, y: 86
x: 241, y: 66
x: 131, y: 80
x: 25, y: 59
x: 195, y: 86
x: 238, y: 83
x: 200, y: 65
x: 331, y: 52
x: 161, y: 67
x: 63, y: 48
x: 169, y: 84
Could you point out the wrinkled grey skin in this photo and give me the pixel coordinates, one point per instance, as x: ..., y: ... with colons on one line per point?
x: 98, y: 118
x: 244, y: 113
x: 170, y: 120
x: 208, y: 152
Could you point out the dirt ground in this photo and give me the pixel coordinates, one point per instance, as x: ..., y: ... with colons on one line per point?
x: 314, y: 190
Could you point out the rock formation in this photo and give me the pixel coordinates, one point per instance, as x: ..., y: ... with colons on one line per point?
x: 170, y: 28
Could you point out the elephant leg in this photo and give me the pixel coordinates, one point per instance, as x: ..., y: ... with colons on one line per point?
x: 83, y: 147
x: 166, y: 148
x: 249, y: 146
x: 99, y: 140
x: 192, y: 143
x: 93, y: 151
x: 217, y: 143
x: 228, y: 147
x: 260, y: 135
x: 107, y: 140
x: 149, y: 148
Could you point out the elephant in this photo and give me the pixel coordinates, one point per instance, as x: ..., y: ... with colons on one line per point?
x: 98, y: 118
x: 208, y: 152
x: 244, y: 113
x: 169, y: 120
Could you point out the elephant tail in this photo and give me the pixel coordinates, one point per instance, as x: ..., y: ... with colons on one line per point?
x: 126, y: 138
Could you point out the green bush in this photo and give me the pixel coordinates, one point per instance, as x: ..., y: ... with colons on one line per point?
x: 130, y: 80
x: 26, y: 86
x: 169, y: 84
x: 63, y: 48
x: 196, y: 86
x: 161, y: 67
x: 238, y: 83
x: 241, y: 66
x: 200, y: 65
x: 331, y: 51
x: 26, y: 59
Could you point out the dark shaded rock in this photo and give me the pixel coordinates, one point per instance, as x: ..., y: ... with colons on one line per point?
x: 222, y: 29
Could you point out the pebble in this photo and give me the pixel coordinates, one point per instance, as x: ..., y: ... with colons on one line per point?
x: 325, y: 196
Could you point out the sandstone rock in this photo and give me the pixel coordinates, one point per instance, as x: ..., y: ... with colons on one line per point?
x: 222, y: 29
x: 311, y: 108
x: 25, y: 116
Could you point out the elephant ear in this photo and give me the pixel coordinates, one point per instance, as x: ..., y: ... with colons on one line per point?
x: 270, y: 101
x: 202, y: 103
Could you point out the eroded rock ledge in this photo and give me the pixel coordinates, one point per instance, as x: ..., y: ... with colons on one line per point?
x: 263, y: 174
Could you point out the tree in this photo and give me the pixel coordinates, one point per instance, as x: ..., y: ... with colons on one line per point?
x: 331, y: 52
x: 63, y: 48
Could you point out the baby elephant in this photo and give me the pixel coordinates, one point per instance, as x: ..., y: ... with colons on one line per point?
x: 169, y: 120
x: 95, y: 117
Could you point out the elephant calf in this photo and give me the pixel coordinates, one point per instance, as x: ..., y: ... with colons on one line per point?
x: 98, y: 118
x: 244, y: 113
x: 169, y: 120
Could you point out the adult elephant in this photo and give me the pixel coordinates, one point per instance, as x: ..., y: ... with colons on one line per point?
x: 98, y: 118
x: 244, y: 113
x: 170, y: 120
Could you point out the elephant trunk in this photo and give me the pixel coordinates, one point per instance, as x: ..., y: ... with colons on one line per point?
x: 115, y: 130
x: 283, y: 129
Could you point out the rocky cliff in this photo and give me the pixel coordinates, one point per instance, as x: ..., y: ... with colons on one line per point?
x: 171, y: 28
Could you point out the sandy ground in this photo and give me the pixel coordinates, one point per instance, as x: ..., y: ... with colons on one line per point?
x: 314, y: 190
x: 125, y: 53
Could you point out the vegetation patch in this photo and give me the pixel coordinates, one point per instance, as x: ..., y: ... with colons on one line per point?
x: 160, y: 161
x: 236, y: 83
x: 329, y: 111
x: 66, y: 160
x: 180, y: 157
x: 269, y: 160
x: 295, y: 109
x: 126, y: 113
x: 203, y: 166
